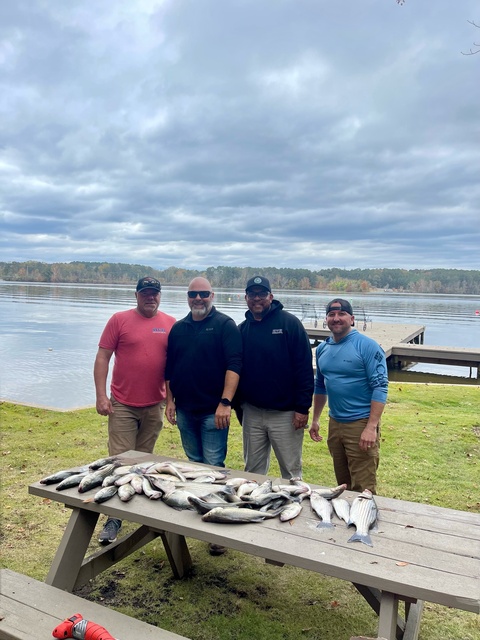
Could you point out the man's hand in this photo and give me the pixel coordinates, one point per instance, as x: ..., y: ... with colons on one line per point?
x: 314, y: 431
x: 222, y: 416
x: 299, y: 420
x: 104, y: 406
x: 171, y: 411
x: 368, y: 438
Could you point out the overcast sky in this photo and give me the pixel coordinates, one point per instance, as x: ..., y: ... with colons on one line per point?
x: 196, y: 133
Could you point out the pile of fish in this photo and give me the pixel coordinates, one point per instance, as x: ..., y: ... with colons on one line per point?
x: 216, y: 497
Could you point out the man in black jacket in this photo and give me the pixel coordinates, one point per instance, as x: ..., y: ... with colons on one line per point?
x: 204, y: 360
x: 276, y: 385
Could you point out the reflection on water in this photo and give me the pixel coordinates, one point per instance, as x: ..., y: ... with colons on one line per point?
x: 49, y: 333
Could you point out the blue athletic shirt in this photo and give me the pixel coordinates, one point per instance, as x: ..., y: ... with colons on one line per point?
x: 352, y: 372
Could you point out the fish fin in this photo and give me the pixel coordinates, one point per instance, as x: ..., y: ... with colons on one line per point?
x: 358, y: 537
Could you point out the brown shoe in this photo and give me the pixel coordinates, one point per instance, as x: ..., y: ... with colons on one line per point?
x: 216, y: 549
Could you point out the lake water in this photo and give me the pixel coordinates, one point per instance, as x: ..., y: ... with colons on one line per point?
x: 49, y: 333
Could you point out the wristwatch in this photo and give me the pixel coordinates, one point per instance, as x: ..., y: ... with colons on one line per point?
x: 226, y: 402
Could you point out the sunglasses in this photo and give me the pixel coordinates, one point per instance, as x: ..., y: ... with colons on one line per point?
x: 251, y: 295
x: 202, y: 294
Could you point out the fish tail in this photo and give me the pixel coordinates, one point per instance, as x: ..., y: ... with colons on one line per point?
x: 325, y: 525
x: 91, y: 499
x: 359, y: 537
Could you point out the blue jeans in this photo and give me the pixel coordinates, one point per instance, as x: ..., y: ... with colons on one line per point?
x: 201, y: 440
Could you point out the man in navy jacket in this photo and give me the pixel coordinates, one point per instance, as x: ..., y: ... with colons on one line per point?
x: 276, y: 386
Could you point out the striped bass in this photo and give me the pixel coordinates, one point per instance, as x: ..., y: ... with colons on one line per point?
x: 126, y: 492
x: 291, y: 511
x: 103, y: 495
x: 71, y: 481
x: 323, y: 508
x: 363, y: 514
x: 233, y: 515
x: 334, y: 492
x: 342, y: 509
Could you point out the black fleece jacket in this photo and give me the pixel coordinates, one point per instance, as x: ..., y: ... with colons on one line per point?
x: 277, y: 371
x: 200, y: 352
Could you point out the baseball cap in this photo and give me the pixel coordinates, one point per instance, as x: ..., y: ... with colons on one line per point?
x: 258, y: 281
x: 344, y: 306
x: 148, y: 283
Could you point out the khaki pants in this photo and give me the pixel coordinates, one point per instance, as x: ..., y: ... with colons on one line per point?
x: 134, y: 428
x: 352, y: 466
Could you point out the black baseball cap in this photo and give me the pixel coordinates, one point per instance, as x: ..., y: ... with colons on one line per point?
x: 344, y: 306
x: 148, y: 283
x: 258, y: 281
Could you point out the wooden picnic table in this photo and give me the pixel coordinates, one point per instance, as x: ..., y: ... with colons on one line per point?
x: 420, y: 552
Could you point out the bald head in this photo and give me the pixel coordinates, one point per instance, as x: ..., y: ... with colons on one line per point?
x: 200, y: 298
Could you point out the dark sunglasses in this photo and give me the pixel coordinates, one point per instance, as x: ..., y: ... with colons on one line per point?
x: 251, y: 295
x: 202, y: 294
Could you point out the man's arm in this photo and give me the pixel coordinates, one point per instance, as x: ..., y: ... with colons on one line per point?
x: 319, y: 402
x: 222, y: 414
x: 100, y: 374
x: 369, y: 434
x: 171, y: 409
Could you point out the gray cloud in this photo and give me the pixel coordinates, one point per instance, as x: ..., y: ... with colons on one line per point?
x: 194, y: 133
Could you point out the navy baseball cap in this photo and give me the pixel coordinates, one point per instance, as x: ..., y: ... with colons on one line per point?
x: 339, y: 304
x: 148, y: 283
x: 258, y: 281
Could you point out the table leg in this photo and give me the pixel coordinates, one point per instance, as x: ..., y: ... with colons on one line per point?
x: 177, y: 552
x: 387, y: 617
x: 73, y: 547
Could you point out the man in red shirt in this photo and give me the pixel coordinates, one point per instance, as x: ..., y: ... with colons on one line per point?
x: 136, y: 406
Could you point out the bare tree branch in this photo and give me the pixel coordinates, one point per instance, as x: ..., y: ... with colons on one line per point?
x: 472, y: 52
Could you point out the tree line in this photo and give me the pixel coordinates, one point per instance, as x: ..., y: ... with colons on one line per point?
x: 453, y: 281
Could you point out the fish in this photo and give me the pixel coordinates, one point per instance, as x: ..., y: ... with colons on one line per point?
x: 59, y: 476
x: 137, y: 483
x: 103, y: 495
x: 342, y: 509
x: 71, y: 481
x: 209, y: 473
x: 178, y: 499
x: 323, y: 508
x: 246, y: 488
x: 101, y: 462
x: 334, y: 492
x: 236, y: 482
x: 95, y: 478
x: 167, y: 467
x: 233, y: 515
x: 199, y: 488
x: 203, y: 506
x: 290, y: 511
x: 265, y: 487
x: 109, y: 480
x: 150, y: 491
x: 264, y: 498
x: 164, y: 486
x: 363, y: 514
x: 126, y: 492
x: 125, y: 478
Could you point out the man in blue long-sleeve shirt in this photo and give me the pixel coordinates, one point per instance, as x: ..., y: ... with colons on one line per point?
x: 352, y: 373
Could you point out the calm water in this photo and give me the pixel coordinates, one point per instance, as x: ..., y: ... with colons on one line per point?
x: 49, y: 333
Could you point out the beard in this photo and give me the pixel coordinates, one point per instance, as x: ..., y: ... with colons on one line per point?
x: 201, y: 312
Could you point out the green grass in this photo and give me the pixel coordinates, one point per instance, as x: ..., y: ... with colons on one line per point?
x: 429, y: 453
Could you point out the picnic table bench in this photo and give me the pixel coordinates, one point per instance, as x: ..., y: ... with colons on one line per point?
x: 420, y: 552
x: 30, y: 610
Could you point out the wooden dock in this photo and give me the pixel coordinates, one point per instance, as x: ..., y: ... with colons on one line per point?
x: 404, y: 346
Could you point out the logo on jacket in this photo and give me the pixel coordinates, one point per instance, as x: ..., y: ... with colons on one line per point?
x: 276, y: 331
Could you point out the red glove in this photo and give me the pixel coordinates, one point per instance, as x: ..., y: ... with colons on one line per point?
x: 81, y: 629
